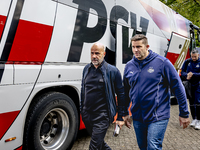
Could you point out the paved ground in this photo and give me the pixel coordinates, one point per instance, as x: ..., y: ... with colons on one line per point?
x: 175, y: 137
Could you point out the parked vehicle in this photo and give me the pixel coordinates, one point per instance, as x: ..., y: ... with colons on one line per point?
x: 44, y: 45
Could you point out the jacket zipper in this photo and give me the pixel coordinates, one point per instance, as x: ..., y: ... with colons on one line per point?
x: 140, y: 70
x: 106, y: 92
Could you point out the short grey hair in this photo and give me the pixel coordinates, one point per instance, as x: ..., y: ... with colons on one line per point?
x: 194, y: 51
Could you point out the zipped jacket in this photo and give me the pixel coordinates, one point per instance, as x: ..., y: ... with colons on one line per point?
x: 191, y: 66
x: 113, y: 85
x: 148, y: 84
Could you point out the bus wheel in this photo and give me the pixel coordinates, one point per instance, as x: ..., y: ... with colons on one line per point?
x: 52, y: 123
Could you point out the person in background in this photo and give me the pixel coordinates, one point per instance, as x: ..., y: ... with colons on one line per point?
x: 191, y: 72
x: 148, y: 80
x: 100, y: 82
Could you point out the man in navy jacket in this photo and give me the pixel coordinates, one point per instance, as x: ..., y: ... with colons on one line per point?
x: 100, y: 82
x: 191, y: 72
x: 148, y: 80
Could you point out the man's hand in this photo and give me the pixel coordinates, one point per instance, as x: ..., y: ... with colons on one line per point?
x: 127, y: 120
x: 184, y: 121
x: 120, y: 123
x: 189, y: 75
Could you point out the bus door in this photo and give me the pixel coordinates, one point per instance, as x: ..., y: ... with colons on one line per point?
x: 123, y: 46
x: 177, y: 50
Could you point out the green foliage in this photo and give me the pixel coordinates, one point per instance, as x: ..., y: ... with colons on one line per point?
x: 190, y: 9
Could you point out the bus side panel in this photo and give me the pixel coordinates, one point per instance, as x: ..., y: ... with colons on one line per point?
x: 2, y: 23
x: 73, y: 34
x: 34, y: 31
x: 4, y: 7
x: 11, y: 103
x: 28, y: 51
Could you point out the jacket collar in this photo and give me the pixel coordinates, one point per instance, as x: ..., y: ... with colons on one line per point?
x: 102, y: 65
x: 149, y: 58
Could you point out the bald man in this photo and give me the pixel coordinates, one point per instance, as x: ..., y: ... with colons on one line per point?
x: 100, y: 82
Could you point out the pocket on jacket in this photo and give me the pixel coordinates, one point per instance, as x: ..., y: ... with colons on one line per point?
x: 100, y: 84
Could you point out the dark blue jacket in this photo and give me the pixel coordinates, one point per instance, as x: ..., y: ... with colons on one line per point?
x: 147, y: 85
x: 194, y: 67
x: 113, y: 85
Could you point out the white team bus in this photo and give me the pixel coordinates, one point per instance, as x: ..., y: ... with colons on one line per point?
x: 44, y: 45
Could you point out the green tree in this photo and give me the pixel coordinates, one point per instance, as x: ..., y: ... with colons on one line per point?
x: 190, y: 9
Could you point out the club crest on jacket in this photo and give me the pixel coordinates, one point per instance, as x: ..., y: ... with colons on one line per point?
x: 150, y: 70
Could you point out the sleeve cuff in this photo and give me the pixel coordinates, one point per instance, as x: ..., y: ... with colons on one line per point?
x: 120, y: 118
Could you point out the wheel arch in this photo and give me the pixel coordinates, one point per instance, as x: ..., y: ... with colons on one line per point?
x: 67, y: 90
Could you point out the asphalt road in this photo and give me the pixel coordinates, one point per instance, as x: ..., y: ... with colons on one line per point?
x: 176, y: 138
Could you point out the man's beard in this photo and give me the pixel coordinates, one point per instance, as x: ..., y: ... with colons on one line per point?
x: 96, y: 61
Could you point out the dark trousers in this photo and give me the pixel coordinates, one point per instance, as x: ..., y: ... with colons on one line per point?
x: 96, y: 125
x: 195, y: 103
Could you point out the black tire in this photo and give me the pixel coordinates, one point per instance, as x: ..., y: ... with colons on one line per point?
x: 52, y: 123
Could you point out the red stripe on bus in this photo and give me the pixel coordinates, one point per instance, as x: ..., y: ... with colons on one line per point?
x: 188, y: 54
x: 2, y: 24
x: 31, y: 42
x: 20, y: 148
x: 181, y: 24
x: 158, y: 17
x: 6, y: 120
x: 163, y: 21
x: 82, y: 125
x: 172, y: 57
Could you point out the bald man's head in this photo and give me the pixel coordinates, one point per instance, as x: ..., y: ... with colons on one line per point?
x: 97, y: 54
x: 99, y: 46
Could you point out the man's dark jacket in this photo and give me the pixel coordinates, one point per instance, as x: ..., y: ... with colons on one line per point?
x: 191, y: 66
x: 113, y: 85
x: 148, y: 84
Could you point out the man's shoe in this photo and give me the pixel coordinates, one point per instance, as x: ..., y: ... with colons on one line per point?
x: 193, y: 123
x: 197, y: 126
